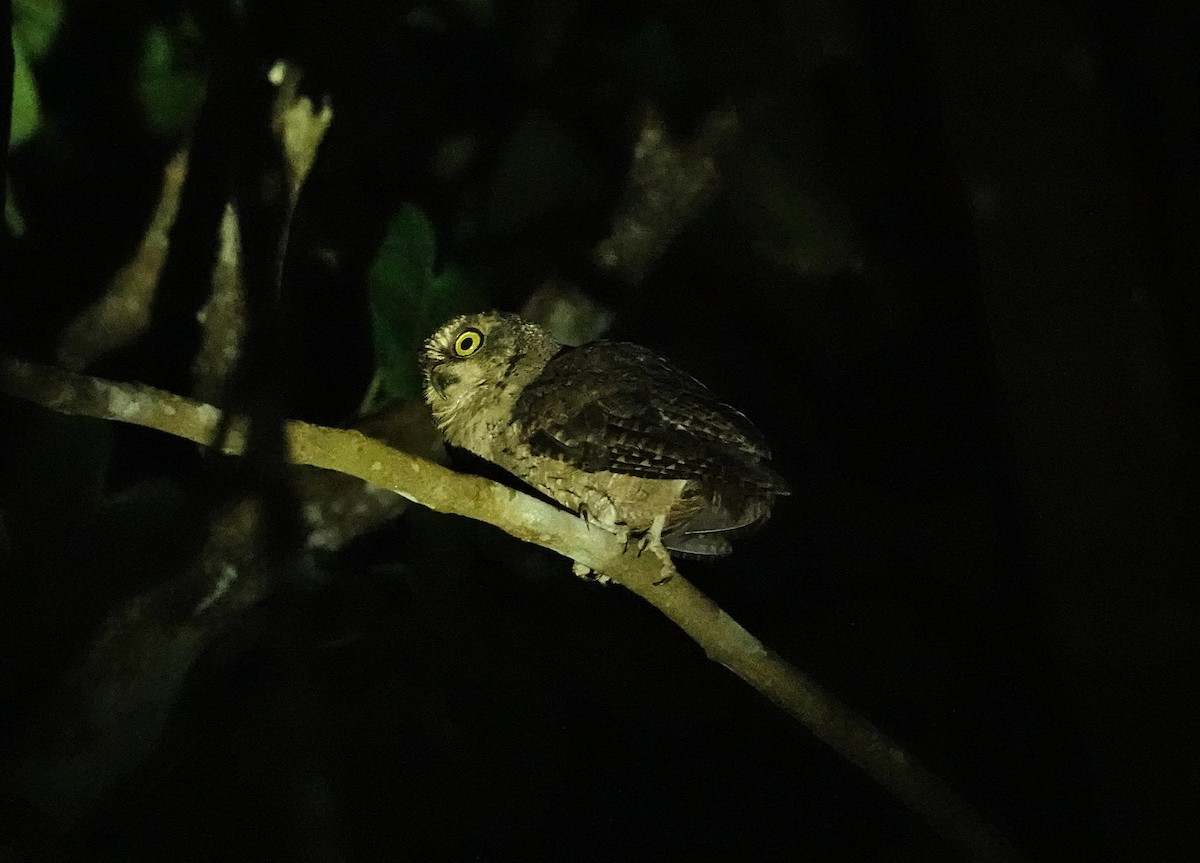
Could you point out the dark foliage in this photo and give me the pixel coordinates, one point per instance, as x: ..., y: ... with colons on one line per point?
x: 950, y: 274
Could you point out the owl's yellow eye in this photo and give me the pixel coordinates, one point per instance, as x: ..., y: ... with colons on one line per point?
x: 467, y: 343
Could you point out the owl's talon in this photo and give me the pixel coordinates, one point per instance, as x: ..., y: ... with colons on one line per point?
x: 589, y: 574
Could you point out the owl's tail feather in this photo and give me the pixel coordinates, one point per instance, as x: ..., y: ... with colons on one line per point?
x: 762, y: 478
x: 701, y: 545
x: 707, y: 534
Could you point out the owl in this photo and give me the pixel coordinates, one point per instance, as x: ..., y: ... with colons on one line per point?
x: 608, y: 430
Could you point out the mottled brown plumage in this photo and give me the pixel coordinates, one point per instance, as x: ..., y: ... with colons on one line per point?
x: 609, y: 430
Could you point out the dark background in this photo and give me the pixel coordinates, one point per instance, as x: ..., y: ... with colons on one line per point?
x: 951, y: 275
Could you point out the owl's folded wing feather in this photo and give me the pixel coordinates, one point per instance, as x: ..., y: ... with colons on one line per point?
x: 620, y: 407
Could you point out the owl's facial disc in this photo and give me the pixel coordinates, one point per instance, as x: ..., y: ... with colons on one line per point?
x: 481, y: 362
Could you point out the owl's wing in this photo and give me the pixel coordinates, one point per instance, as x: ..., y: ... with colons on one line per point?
x: 620, y: 407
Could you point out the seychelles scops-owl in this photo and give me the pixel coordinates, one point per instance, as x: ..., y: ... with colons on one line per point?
x: 609, y: 430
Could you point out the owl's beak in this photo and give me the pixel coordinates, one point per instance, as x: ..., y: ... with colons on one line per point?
x: 439, y: 379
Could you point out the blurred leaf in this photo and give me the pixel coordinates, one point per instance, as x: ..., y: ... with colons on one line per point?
x: 170, y: 81
x: 12, y: 215
x: 26, y: 106
x: 408, y: 301
x: 35, y: 24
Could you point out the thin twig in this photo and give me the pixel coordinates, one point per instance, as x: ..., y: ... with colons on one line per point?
x: 438, y: 488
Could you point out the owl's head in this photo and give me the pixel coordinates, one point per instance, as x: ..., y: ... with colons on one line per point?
x: 479, y: 357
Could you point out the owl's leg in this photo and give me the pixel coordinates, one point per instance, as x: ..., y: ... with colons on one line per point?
x: 652, y: 540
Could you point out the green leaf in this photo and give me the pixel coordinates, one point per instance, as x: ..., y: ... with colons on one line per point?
x: 34, y: 28
x: 35, y: 25
x: 409, y: 299
x: 26, y: 106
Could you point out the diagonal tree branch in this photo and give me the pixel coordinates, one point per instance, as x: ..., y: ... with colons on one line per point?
x: 438, y: 488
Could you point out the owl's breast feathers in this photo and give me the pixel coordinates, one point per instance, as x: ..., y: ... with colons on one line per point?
x: 621, y: 413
